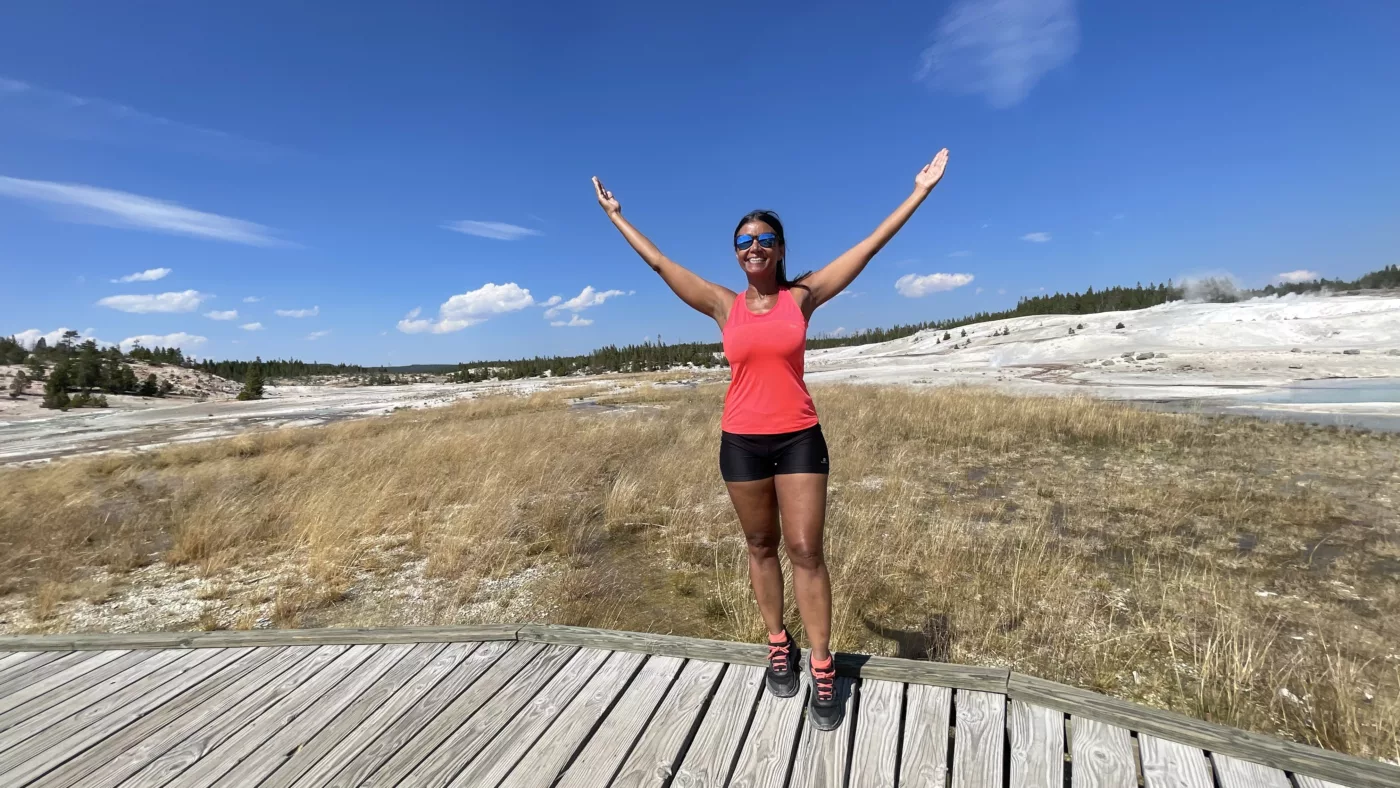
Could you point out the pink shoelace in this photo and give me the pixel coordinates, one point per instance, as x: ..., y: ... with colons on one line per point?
x: 824, y: 680
x: 778, y: 655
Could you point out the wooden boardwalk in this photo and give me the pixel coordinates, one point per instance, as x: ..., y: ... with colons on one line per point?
x: 542, y: 706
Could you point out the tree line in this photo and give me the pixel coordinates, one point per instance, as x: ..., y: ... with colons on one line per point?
x: 82, y: 367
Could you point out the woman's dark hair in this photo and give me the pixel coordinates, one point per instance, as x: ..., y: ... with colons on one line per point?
x: 771, y: 219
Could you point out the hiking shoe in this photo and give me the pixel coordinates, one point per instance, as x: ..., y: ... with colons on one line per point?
x: 826, y: 709
x: 781, y: 676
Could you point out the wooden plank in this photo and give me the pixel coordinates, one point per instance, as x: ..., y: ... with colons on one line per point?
x: 14, y: 658
x: 431, y: 680
x: 1236, y: 773
x: 1166, y: 764
x: 765, y: 759
x: 822, y: 755
x: 1037, y: 738
x: 222, y: 759
x: 258, y: 764
x: 852, y: 665
x: 20, y: 695
x: 979, y: 739
x: 259, y: 637
x: 424, y: 666
x: 1101, y: 755
x: 476, y: 731
x: 1279, y: 753
x: 393, y: 756
x: 875, y: 753
x: 92, y: 678
x: 1313, y: 782
x: 89, y: 727
x: 657, y: 753
x: 924, y: 761
x: 17, y: 731
x: 604, y: 752
x: 122, y: 755
x: 713, y: 751
x: 20, y: 680
x: 554, y: 724
x: 200, y: 742
x: 33, y: 663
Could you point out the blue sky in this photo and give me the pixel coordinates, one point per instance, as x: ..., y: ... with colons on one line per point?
x: 347, y: 167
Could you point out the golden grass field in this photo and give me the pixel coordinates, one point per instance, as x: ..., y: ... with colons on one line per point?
x: 1234, y: 570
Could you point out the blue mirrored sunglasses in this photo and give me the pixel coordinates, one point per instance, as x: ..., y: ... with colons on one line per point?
x: 766, y: 240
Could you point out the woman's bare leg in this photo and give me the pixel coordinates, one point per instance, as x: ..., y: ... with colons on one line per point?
x: 756, y: 503
x: 802, y: 501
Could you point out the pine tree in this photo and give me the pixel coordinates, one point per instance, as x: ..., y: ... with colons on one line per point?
x: 127, y: 380
x: 88, y: 372
x: 165, y: 388
x: 36, y: 367
x: 253, y: 382
x: 56, y: 388
x: 150, y: 388
x: 19, y: 384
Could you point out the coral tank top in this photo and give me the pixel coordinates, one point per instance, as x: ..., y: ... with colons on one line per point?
x: 766, y: 395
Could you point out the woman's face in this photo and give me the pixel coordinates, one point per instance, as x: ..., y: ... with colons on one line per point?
x: 756, y: 259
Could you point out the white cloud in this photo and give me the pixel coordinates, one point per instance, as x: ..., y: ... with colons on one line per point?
x: 978, y: 291
x: 180, y: 340
x: 553, y: 300
x: 230, y: 314
x: 469, y: 309
x: 251, y: 300
x: 94, y: 205
x: 574, y: 321
x: 149, y: 275
x: 28, y: 337
x: 186, y: 301
x: 960, y: 253
x: 252, y: 326
x: 1036, y: 238
x: 312, y: 312
x: 1301, y: 275
x: 315, y: 335
x: 497, y: 230
x: 914, y: 285
x: 585, y: 299
x: 1000, y: 48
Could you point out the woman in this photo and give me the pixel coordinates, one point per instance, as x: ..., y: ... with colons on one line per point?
x: 772, y: 454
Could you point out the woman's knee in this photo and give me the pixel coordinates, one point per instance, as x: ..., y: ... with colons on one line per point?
x: 763, y: 546
x: 805, y: 554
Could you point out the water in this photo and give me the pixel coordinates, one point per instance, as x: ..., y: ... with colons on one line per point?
x: 1339, y: 402
x: 1327, y: 392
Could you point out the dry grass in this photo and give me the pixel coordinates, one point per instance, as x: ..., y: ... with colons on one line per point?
x: 1237, y: 571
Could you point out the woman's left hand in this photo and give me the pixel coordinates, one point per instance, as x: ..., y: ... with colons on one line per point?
x: 930, y: 175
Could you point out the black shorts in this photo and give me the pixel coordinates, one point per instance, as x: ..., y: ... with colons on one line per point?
x: 747, y: 458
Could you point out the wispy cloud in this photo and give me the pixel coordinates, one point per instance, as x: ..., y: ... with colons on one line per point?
x: 315, y: 335
x: 497, y: 230
x: 584, y: 300
x: 251, y: 300
x: 1301, y: 275
x: 149, y: 275
x: 915, y: 286
x: 230, y: 314
x: 108, y: 207
x: 186, y: 301
x: 573, y: 322
x: 469, y: 309
x: 179, y: 339
x: 312, y: 312
x: 960, y: 253
x: 1036, y: 238
x: 1000, y: 48
x: 252, y: 326
x: 978, y: 291
x: 1001, y: 291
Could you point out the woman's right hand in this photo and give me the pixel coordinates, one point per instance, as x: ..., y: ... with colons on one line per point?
x: 606, y: 199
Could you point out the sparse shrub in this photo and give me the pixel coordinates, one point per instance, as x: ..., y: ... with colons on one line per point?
x: 18, y: 385
x: 1120, y: 325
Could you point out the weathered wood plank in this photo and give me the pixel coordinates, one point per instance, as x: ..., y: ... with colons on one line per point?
x: 1313, y: 782
x: 711, y: 755
x: 54, y: 667
x: 533, y: 754
x: 200, y: 742
x: 262, y: 637
x: 92, y: 678
x: 259, y: 763
x: 14, y: 658
x: 89, y: 727
x: 852, y: 665
x: 29, y: 691
x: 1236, y: 773
x: 603, y: 754
x: 875, y: 753
x: 122, y: 755
x: 654, y: 759
x: 1166, y: 764
x: 1037, y: 738
x: 222, y: 759
x: 507, y: 686
x: 924, y: 761
x: 331, y: 748
x: 978, y: 742
x: 33, y: 663
x: 505, y: 727
x: 822, y: 755
x: 48, y: 718
x: 765, y: 758
x: 1290, y: 756
x: 1101, y: 755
